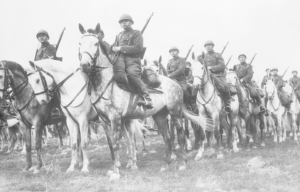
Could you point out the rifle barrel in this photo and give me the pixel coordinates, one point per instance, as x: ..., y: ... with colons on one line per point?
x: 59, y: 40
x: 189, y: 52
x: 252, y: 59
x: 142, y: 31
x: 224, y: 48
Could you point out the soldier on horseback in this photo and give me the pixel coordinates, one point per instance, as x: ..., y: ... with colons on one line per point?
x: 128, y: 47
x: 46, y: 51
x: 245, y: 72
x: 293, y: 81
x: 216, y: 65
x: 285, y: 99
x: 176, y: 70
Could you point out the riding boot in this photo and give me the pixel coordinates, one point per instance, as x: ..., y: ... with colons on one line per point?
x: 145, y: 99
x: 258, y: 101
x: 227, y: 97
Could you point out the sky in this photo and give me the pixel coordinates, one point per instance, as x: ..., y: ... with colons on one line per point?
x: 270, y: 28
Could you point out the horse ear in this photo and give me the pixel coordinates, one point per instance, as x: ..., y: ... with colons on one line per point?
x: 97, y: 29
x: 81, y: 29
x: 160, y: 58
x: 32, y: 65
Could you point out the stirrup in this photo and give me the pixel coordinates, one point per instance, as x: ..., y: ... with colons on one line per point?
x: 55, y: 113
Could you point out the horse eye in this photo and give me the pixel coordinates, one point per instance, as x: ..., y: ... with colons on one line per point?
x: 37, y: 81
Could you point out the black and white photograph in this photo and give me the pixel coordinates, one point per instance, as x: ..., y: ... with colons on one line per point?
x: 149, y: 96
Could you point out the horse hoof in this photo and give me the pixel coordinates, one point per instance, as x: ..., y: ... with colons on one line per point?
x: 162, y: 169
x: 114, y: 177
x: 84, y: 170
x: 109, y: 172
x: 173, y: 157
x: 189, y: 145
x: 198, y: 157
x: 70, y: 170
x: 236, y: 150
x: 134, y: 168
x: 7, y: 152
x: 129, y: 165
x: 32, y: 168
x: 262, y: 144
x: 182, y: 168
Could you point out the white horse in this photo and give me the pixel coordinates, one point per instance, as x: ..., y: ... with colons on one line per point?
x: 275, y: 109
x: 49, y: 76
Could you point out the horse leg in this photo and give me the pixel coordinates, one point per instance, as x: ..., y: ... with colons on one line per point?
x: 201, y: 137
x: 59, y: 129
x: 161, y: 122
x: 84, y: 128
x: 262, y: 124
x: 28, y: 149
x: 196, y: 129
x: 177, y: 121
x: 128, y: 130
x: 253, y: 130
x: 13, y: 139
x: 73, y: 141
x: 38, y: 146
x: 233, y: 131
x: 172, y: 134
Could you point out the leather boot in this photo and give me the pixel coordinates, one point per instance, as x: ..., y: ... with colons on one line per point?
x: 145, y: 99
x: 226, y: 96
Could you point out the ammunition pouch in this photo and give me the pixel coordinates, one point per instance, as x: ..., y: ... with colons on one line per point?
x: 150, y: 77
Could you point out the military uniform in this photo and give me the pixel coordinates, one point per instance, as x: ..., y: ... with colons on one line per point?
x: 285, y: 99
x: 264, y: 81
x: 245, y: 72
x: 191, y: 89
x: 293, y: 81
x: 175, y: 69
x: 129, y: 62
x: 216, y: 62
x: 46, y: 51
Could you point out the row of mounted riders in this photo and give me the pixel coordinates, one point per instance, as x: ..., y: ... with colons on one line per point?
x: 116, y: 105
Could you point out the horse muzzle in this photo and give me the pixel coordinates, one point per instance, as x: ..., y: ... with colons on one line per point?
x: 86, y: 67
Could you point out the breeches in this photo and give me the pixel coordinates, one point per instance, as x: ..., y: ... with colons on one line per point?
x: 221, y: 84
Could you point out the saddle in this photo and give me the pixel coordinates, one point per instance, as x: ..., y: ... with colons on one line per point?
x: 151, y: 80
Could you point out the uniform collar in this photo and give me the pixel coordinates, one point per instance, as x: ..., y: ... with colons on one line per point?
x: 211, y: 52
x: 243, y: 63
x: 128, y: 29
x: 176, y: 57
x: 45, y: 44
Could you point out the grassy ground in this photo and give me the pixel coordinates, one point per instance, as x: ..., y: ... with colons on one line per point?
x: 281, y: 172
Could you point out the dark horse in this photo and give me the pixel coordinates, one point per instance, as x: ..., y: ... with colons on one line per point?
x: 33, y: 115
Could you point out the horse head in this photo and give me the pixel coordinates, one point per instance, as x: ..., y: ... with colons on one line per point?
x: 42, y: 83
x: 232, y: 78
x: 200, y: 70
x: 89, y: 48
x: 270, y: 89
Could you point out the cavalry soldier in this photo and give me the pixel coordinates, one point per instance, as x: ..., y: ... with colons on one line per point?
x: 245, y: 72
x: 285, y: 99
x: 46, y: 51
x: 128, y: 48
x: 176, y: 70
x: 215, y: 63
x: 264, y: 81
x: 293, y: 80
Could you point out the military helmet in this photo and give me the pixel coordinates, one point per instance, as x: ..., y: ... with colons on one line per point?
x: 125, y: 17
x: 242, y: 55
x: 209, y: 42
x: 267, y: 69
x: 295, y: 71
x: 274, y: 68
x: 42, y: 32
x: 173, y: 48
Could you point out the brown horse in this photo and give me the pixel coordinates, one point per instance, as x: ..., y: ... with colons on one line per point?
x: 113, y: 103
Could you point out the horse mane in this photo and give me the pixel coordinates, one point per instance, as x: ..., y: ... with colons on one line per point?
x: 52, y: 65
x: 13, y: 66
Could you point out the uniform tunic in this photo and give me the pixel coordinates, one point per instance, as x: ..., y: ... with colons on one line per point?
x: 293, y: 81
x: 46, y: 51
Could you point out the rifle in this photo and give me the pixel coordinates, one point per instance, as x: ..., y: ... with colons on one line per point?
x: 142, y: 31
x: 228, y: 61
x: 189, y: 52
x: 224, y: 48
x: 57, y: 45
x: 285, y: 72
x: 252, y: 59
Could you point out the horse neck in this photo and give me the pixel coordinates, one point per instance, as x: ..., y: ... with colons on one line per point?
x: 102, y: 78
x: 59, y: 76
x: 241, y: 90
x: 21, y: 97
x: 208, y: 87
x: 275, y: 100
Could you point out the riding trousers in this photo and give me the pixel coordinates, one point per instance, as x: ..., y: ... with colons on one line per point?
x: 132, y: 68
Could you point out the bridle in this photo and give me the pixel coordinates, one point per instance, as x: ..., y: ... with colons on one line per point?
x: 48, y: 91
x: 272, y: 97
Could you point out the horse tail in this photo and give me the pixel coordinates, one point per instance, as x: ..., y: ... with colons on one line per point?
x: 205, y: 123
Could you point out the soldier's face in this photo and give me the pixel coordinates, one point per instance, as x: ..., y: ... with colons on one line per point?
x: 42, y: 38
x: 209, y: 47
x: 242, y: 59
x: 294, y: 74
x: 174, y: 53
x: 125, y: 24
x: 274, y: 72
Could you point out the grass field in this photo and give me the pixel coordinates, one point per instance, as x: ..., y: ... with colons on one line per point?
x: 281, y: 171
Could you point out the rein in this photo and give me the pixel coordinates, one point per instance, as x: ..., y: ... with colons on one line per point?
x: 273, y: 95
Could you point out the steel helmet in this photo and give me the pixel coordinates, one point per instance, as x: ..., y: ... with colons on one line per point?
x: 173, y: 48
x: 209, y: 42
x: 42, y: 32
x: 242, y: 55
x: 295, y: 71
x: 274, y: 68
x: 125, y: 17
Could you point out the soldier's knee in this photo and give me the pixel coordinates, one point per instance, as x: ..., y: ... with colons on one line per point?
x: 120, y: 77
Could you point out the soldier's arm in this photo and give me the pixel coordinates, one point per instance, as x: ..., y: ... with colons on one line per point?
x: 280, y: 83
x: 220, y: 67
x: 249, y: 75
x: 180, y: 70
x: 297, y: 86
x: 136, y: 46
x: 263, y: 82
x: 50, y: 52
